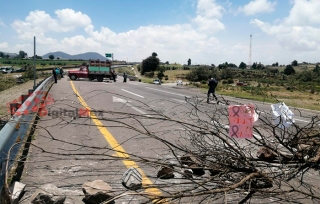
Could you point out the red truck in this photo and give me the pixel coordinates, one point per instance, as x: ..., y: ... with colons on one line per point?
x: 95, y: 69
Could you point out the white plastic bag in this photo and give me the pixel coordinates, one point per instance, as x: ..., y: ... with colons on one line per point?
x: 282, y: 116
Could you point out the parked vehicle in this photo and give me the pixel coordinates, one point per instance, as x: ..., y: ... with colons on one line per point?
x: 6, y: 70
x: 20, y: 70
x: 241, y: 84
x: 157, y: 82
x: 95, y: 69
x: 179, y: 82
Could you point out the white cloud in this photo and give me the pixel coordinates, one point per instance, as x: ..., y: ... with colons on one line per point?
x: 304, y: 12
x: 4, y: 45
x: 39, y: 22
x: 68, y: 19
x: 173, y: 43
x: 258, y: 6
x: 298, y: 31
x: 208, y: 15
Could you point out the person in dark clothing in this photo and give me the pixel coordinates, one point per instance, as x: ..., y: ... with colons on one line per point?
x: 61, y: 72
x: 212, y: 89
x: 124, y: 77
x: 114, y: 75
x: 54, y: 73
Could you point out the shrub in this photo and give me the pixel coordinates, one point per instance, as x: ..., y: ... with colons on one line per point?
x: 6, y: 82
x: 230, y: 81
x: 149, y: 74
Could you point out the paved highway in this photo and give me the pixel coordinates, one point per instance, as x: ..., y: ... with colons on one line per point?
x: 126, y: 120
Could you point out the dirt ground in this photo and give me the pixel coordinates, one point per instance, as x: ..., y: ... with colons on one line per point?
x: 12, y: 94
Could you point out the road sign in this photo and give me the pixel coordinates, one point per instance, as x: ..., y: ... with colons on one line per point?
x: 108, y: 55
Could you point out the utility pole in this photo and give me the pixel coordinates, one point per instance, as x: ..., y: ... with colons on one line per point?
x: 250, y: 52
x: 34, y: 64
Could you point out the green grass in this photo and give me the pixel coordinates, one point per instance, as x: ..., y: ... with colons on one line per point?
x: 6, y: 82
x: 127, y: 70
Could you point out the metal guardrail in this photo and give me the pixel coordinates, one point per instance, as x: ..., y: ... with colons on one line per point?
x: 16, y: 128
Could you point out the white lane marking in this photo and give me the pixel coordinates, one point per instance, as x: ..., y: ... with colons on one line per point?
x: 116, y: 99
x: 180, y: 101
x: 132, y: 93
x: 168, y: 92
x: 302, y: 120
x: 140, y: 111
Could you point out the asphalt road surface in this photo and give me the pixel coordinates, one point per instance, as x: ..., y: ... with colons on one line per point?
x: 96, y: 131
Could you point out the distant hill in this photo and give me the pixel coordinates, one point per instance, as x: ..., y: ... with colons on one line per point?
x: 84, y: 56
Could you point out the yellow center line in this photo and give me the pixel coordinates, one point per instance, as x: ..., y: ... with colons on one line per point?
x: 121, y: 153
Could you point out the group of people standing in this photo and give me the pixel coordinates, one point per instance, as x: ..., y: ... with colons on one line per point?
x: 57, y: 73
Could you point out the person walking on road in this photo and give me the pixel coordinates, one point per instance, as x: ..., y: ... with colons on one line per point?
x: 124, y: 77
x: 58, y: 73
x: 54, y: 73
x: 114, y: 75
x: 61, y: 72
x: 212, y: 89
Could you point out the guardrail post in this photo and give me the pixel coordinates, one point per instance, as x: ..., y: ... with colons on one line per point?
x: 14, y: 107
x: 24, y: 97
x: 30, y: 91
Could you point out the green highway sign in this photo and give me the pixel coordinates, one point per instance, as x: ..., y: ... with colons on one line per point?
x: 108, y: 55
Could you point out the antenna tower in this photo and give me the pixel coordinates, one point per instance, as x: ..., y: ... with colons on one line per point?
x: 250, y: 51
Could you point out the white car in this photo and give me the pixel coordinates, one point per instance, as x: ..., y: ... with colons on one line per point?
x: 157, y: 81
x: 179, y: 82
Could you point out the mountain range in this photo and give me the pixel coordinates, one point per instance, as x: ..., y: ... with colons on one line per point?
x: 83, y: 56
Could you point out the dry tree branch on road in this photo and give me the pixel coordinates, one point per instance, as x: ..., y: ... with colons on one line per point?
x: 187, y: 153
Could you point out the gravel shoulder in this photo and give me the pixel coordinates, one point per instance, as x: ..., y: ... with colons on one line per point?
x: 12, y: 94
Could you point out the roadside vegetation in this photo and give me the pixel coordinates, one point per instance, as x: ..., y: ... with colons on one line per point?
x: 295, y: 84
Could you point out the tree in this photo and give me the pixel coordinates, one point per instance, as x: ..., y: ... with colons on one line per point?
x: 243, y: 65
x: 254, y: 66
x: 294, y: 63
x: 154, y: 54
x: 305, y: 76
x: 1, y: 54
x: 260, y: 66
x: 232, y: 65
x: 277, y: 64
x: 289, y: 70
x: 222, y: 66
x: 150, y: 64
x: 201, y: 73
x: 51, y: 57
x: 274, y: 71
x: 189, y: 62
x: 22, y: 54
x: 160, y: 73
x: 317, y: 69
x: 167, y: 62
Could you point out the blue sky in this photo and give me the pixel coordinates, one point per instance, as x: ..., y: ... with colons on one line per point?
x: 206, y: 31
